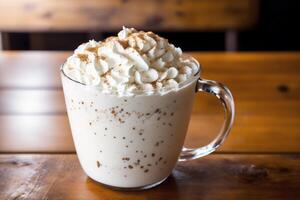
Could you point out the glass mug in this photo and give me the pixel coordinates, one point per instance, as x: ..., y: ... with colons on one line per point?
x: 135, y: 142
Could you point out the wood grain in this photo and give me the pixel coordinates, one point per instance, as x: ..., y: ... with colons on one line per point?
x: 212, y: 177
x: 30, y: 70
x: 44, y: 133
x: 106, y: 15
x: 249, y: 100
x: 265, y: 87
x: 35, y: 133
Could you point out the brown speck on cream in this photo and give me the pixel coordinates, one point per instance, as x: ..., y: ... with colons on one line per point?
x: 90, y: 123
x: 123, y: 138
x: 133, y: 128
x: 96, y: 110
x: 160, y: 158
x: 169, y: 124
x: 82, y: 57
x: 126, y: 158
x: 146, y: 170
x: 158, y: 118
x: 114, y: 137
x: 130, y: 166
x: 157, y: 144
x: 137, y: 162
x: 105, y: 128
x: 98, y: 164
x: 143, y: 139
x: 142, y: 167
x: 153, y: 154
x: 145, y: 156
x: 164, y: 123
x: 126, y: 146
x: 149, y: 165
x: 92, y: 49
x: 172, y: 114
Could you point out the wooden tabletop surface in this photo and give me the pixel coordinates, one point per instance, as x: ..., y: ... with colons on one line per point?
x: 259, y: 160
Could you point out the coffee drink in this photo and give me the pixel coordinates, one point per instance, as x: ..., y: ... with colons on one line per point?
x: 129, y: 101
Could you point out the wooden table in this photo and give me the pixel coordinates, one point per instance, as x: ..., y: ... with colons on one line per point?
x: 259, y: 160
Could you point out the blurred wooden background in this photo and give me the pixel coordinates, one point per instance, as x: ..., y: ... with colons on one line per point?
x: 274, y: 29
x: 94, y: 17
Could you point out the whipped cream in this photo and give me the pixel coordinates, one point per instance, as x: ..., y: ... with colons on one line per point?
x: 134, y: 62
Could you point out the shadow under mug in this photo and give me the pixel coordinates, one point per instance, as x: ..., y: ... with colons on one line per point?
x: 134, y: 143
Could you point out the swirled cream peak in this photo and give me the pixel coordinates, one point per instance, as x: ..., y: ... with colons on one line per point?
x: 134, y: 62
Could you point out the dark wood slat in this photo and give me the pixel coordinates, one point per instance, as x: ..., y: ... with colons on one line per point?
x: 212, y: 177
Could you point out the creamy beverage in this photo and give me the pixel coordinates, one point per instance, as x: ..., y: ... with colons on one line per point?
x: 129, y: 101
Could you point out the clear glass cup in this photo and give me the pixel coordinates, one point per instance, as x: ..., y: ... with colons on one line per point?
x: 134, y: 143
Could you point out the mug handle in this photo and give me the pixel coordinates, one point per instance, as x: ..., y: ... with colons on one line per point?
x: 225, y: 96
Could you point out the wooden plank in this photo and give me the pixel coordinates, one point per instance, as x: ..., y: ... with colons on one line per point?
x: 106, y: 15
x: 249, y: 134
x: 34, y: 101
x: 38, y: 69
x: 23, y: 70
x: 212, y: 177
x: 35, y: 133
x: 249, y: 99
